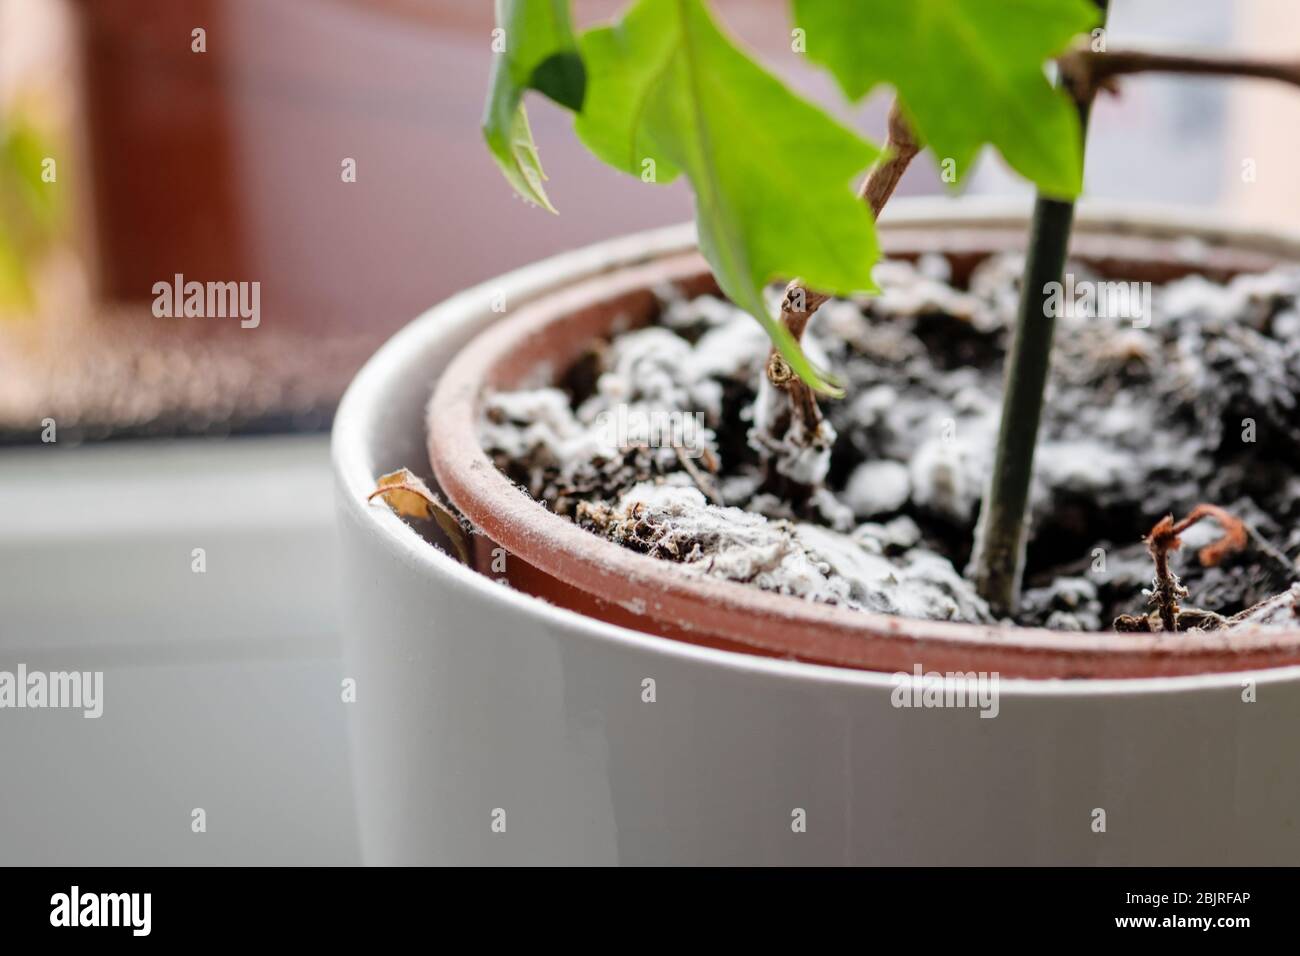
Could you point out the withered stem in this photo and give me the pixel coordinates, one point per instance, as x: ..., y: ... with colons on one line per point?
x: 1164, y: 538
x: 800, y: 302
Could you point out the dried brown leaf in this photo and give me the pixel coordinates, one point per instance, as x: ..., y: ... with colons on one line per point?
x: 410, y: 497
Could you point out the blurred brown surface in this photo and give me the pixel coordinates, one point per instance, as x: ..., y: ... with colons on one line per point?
x: 226, y: 166
x: 102, y: 370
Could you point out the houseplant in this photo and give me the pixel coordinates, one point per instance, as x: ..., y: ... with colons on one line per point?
x: 649, y: 109
x: 544, y: 690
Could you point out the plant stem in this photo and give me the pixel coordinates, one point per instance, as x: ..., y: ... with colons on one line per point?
x: 1166, y: 589
x: 800, y: 302
x: 901, y: 148
x: 998, y: 558
x: 1087, y: 71
x: 999, y: 544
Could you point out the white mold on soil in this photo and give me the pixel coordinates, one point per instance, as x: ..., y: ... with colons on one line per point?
x: 1194, y: 402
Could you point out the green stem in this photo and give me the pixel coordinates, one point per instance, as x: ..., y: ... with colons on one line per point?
x: 1000, y: 537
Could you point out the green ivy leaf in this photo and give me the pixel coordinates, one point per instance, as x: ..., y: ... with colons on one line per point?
x: 968, y: 72
x: 772, y: 174
x: 540, y: 53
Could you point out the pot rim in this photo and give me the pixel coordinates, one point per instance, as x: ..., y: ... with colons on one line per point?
x: 533, y: 285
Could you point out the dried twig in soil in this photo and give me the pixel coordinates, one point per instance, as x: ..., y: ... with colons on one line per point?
x: 703, y: 479
x: 1164, y: 538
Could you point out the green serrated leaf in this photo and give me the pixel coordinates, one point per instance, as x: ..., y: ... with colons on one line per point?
x: 772, y: 174
x: 968, y: 72
x: 540, y: 53
x: 516, y: 154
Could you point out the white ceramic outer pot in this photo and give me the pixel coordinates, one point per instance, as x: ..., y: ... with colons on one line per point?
x: 477, y: 703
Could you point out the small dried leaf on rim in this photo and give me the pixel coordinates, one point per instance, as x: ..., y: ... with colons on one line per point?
x: 410, y: 497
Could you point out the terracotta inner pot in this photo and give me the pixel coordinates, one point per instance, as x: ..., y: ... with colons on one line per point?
x: 554, y: 559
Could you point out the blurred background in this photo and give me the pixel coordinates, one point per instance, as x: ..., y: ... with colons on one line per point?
x: 128, y: 441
